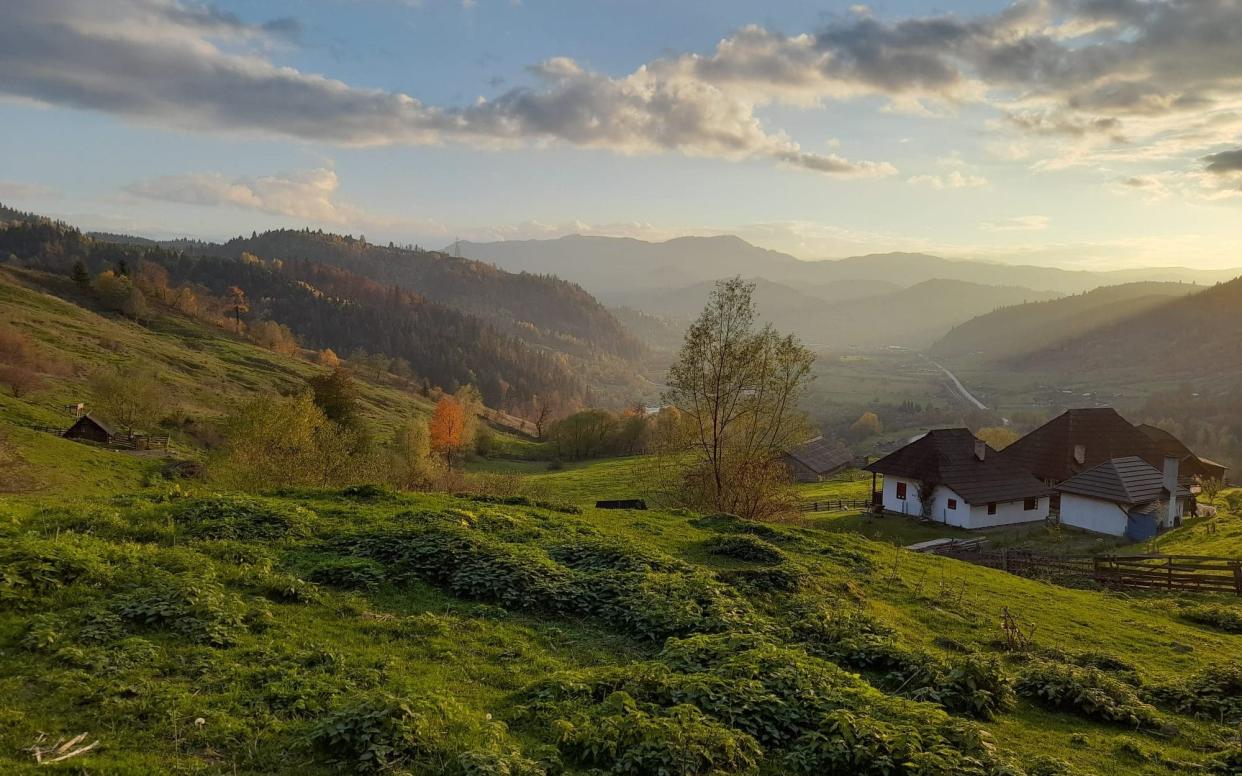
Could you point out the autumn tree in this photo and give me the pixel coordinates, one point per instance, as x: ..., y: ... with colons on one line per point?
x: 446, y: 426
x: 276, y: 337
x: 738, y: 386
x: 998, y: 437
x: 411, y: 453
x: 237, y: 300
x: 21, y: 380
x: 336, y: 394
x: 867, y: 425
x: 130, y: 398
x: 327, y: 357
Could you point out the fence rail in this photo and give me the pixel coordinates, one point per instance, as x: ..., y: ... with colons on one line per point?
x: 835, y: 504
x: 1143, y: 572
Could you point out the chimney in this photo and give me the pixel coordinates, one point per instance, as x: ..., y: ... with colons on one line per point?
x: 1080, y: 454
x: 1170, y: 485
x: 981, y: 449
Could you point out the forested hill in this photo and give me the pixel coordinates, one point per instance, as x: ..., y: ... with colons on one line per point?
x: 324, y: 307
x: 1197, y: 336
x: 1023, y: 328
x: 541, y: 309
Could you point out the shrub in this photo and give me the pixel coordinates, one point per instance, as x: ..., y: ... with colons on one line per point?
x: 1086, y: 691
x: 347, y: 573
x: 722, y: 522
x: 785, y: 578
x: 526, y: 501
x: 846, y: 743
x: 197, y: 609
x: 610, y: 555
x: 1219, y: 616
x: 626, y: 739
x: 239, y: 517
x: 744, y: 547
x: 431, y: 735
x: 32, y: 567
x: 1227, y: 762
x: 1214, y: 693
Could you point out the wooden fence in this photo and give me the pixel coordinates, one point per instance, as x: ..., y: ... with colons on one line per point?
x: 1139, y: 572
x: 118, y: 442
x: 835, y: 504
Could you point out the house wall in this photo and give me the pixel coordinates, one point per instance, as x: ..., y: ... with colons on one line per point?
x: 1007, y: 513
x: 799, y: 471
x: 911, y: 506
x: 965, y: 515
x: 1092, y: 514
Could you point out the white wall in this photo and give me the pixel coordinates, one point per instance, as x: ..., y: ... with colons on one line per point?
x: 1008, y: 513
x: 965, y: 515
x: 911, y: 506
x: 1093, y: 514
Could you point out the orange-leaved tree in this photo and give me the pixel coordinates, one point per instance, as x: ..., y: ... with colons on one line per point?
x: 447, y: 426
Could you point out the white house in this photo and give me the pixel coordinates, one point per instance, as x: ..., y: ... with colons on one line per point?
x: 1124, y: 497
x: 970, y: 486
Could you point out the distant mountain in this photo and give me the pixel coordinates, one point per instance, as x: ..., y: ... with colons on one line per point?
x: 1034, y: 326
x: 1197, y: 336
x: 613, y: 267
x: 913, y: 317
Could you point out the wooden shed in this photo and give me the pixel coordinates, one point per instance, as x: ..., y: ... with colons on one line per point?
x: 88, y: 429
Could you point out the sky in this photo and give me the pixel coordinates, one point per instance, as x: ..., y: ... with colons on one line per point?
x: 1079, y: 133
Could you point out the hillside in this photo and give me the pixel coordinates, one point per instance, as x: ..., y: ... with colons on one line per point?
x: 542, y: 310
x: 330, y: 631
x: 331, y: 307
x: 1196, y: 335
x: 1023, y: 328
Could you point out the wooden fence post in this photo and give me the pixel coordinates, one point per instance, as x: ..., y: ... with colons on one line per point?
x: 1237, y: 577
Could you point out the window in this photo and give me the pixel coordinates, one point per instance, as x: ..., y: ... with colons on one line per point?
x: 952, y: 503
x: 1030, y: 504
x: 901, y: 491
x: 992, y: 508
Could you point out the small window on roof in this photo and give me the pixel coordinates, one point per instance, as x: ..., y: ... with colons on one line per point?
x: 952, y: 503
x: 992, y: 508
x: 901, y: 491
x: 1030, y: 504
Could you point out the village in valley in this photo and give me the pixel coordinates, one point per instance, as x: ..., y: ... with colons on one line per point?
x: 529, y: 388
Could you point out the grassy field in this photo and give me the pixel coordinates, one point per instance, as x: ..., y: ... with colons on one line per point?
x: 257, y: 636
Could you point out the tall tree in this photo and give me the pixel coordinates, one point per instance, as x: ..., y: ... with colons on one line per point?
x: 336, y: 394
x: 737, y: 385
x: 446, y: 426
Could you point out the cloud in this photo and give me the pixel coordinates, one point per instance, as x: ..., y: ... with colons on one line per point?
x: 1098, y: 82
x: 308, y: 194
x: 17, y: 190
x: 1017, y: 224
x: 954, y: 180
x: 1225, y: 162
x: 162, y: 62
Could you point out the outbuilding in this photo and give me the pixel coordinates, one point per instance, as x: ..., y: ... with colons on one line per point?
x: 89, y: 429
x: 1124, y: 497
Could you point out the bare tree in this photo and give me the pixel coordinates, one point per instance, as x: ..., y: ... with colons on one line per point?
x: 737, y: 386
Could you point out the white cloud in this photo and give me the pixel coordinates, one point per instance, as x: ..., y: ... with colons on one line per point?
x: 954, y: 180
x: 307, y: 194
x: 1017, y: 224
x: 17, y: 190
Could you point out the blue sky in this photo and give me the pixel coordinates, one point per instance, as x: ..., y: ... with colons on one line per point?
x: 1073, y: 132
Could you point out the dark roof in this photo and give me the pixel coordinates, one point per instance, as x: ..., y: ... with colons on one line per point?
x: 1129, y: 481
x: 947, y: 457
x: 821, y: 456
x: 91, y: 420
x: 1048, y: 451
x: 1191, y: 464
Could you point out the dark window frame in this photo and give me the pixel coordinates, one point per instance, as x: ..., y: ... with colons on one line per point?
x: 992, y: 508
x: 901, y: 491
x: 952, y: 503
x: 1030, y: 504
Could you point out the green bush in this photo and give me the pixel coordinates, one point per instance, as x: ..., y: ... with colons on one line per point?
x: 743, y: 547
x: 1227, y: 762
x: 594, y: 554
x: 431, y: 735
x: 1219, y: 616
x: 1214, y: 693
x: 241, y: 517
x: 197, y: 609
x: 625, y: 739
x: 785, y: 578
x: 845, y: 743
x: 347, y: 573
x: 1086, y: 691
x: 722, y: 522
x: 32, y: 567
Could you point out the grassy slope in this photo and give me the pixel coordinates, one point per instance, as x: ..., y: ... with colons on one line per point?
x: 205, y: 370
x: 415, y: 639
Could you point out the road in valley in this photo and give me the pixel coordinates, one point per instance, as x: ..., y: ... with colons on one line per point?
x: 967, y: 395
